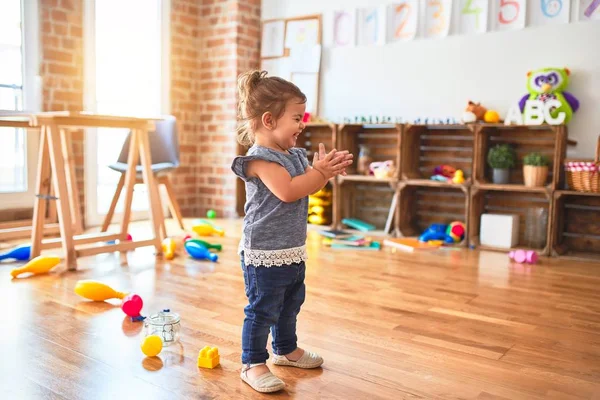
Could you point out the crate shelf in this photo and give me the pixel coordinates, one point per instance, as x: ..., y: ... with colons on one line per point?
x: 576, y: 225
x: 365, y: 178
x: 431, y: 183
x: 513, y: 188
x: 368, y: 201
x: 524, y: 204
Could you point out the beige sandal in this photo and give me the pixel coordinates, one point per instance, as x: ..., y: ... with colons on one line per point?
x: 266, y: 383
x: 308, y: 360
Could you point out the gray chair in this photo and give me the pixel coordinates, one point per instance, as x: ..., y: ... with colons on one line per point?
x: 164, y: 150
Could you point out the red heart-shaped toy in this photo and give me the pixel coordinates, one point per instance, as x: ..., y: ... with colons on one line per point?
x: 132, y: 305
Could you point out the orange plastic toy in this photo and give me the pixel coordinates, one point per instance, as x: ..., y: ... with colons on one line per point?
x: 168, y: 247
x: 207, y: 230
x: 97, y: 291
x: 208, y: 357
x: 38, y: 265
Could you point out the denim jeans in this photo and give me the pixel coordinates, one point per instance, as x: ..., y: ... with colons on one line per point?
x: 275, y: 295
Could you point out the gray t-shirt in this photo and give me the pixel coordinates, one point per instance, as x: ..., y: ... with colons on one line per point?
x: 274, y: 232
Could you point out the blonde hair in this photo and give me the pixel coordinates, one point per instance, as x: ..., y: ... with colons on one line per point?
x: 259, y: 94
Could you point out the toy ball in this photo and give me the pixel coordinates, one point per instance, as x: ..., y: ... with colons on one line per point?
x: 132, y: 305
x: 491, y: 116
x: 152, y: 345
x: 456, y: 230
x: 211, y: 214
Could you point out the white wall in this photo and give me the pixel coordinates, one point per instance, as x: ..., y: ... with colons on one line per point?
x: 436, y: 78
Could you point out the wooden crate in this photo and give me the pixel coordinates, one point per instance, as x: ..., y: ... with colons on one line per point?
x: 420, y: 206
x: 313, y: 134
x: 425, y: 147
x: 576, y: 225
x: 502, y: 201
x: 545, y: 139
x: 369, y: 201
x: 382, y: 140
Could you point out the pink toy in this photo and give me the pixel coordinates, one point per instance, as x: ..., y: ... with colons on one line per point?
x: 523, y: 256
x: 132, y: 305
x: 186, y: 238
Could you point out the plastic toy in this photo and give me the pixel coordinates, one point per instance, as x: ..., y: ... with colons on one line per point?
x: 450, y: 234
x: 209, y: 246
x: 444, y: 170
x: 186, y: 238
x: 459, y: 177
x: 207, y: 230
x: 199, y: 252
x: 550, y: 84
x: 358, y: 224
x: 38, y: 265
x: 208, y: 357
x: 132, y: 305
x: 523, y: 256
x: 19, y: 253
x: 318, y: 203
x: 168, y: 247
x: 152, y: 345
x: 456, y: 230
x: 382, y: 169
x: 97, y: 291
x: 491, y: 117
x: 211, y: 214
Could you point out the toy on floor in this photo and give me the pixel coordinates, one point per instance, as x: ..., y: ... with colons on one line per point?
x: 204, y: 229
x: 549, y: 84
x: 129, y: 239
x: 450, y: 234
x: 211, y: 214
x: 152, y: 345
x: 38, y: 265
x: 19, y: 253
x: 132, y: 305
x: 186, y: 238
x: 523, y: 256
x: 199, y: 252
x: 208, y: 357
x: 358, y: 224
x: 96, y: 291
x: 168, y: 247
x: 209, y: 246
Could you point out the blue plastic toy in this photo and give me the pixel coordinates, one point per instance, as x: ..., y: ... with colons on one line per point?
x: 19, y: 253
x: 197, y: 251
x: 436, y: 232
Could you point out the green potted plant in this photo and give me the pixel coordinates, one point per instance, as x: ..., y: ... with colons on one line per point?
x: 535, y: 169
x: 501, y: 158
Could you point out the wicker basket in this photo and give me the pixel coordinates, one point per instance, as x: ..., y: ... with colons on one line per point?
x: 584, y: 176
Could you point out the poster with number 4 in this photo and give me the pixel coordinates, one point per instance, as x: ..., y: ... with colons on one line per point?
x: 548, y: 12
x: 509, y: 15
x: 589, y: 10
x: 473, y: 16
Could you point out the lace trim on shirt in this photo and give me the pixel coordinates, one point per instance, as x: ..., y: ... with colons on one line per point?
x: 275, y: 258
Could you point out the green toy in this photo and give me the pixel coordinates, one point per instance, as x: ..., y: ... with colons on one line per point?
x: 550, y: 84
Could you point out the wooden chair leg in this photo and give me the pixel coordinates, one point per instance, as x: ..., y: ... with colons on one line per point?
x: 113, y: 204
x: 173, y: 204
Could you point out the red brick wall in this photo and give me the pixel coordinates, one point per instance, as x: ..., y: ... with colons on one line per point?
x: 62, y: 67
x: 230, y: 44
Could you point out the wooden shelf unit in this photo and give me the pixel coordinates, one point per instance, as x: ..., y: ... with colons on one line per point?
x: 576, y: 225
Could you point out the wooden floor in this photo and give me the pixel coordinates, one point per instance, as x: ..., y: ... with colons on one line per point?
x: 445, y: 325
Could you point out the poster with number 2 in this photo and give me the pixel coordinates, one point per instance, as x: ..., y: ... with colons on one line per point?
x: 509, y: 15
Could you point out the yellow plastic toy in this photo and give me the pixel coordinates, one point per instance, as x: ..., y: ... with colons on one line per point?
x: 152, y: 345
x: 38, y: 265
x: 491, y: 116
x: 97, y: 291
x: 208, y: 357
x: 459, y: 176
x: 207, y: 230
x: 168, y: 247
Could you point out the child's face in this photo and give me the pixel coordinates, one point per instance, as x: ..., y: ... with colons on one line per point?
x: 289, y: 125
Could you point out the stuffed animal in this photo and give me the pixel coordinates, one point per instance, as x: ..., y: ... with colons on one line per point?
x: 550, y: 84
x: 477, y: 109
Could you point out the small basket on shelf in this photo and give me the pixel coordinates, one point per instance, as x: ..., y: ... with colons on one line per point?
x: 584, y: 176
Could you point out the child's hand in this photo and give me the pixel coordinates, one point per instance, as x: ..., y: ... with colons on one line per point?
x: 331, y: 164
x: 348, y: 157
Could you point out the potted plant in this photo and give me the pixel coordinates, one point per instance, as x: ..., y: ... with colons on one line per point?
x: 535, y: 169
x: 501, y: 158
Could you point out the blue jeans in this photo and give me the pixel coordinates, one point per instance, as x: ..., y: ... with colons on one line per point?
x: 275, y: 295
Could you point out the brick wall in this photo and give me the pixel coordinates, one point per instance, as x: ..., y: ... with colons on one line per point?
x: 62, y: 68
x: 212, y: 42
